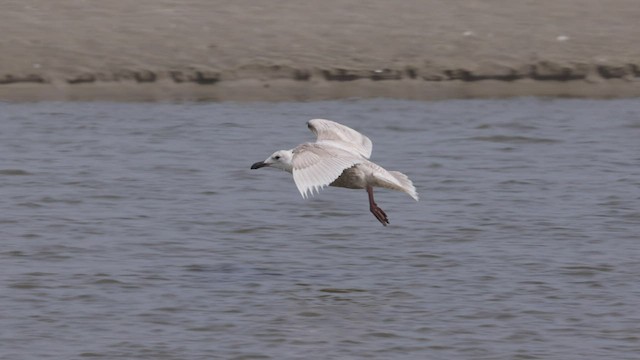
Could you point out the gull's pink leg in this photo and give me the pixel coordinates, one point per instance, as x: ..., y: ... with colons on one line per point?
x: 375, y: 210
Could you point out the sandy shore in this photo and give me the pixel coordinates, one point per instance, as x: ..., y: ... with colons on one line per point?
x: 295, y: 50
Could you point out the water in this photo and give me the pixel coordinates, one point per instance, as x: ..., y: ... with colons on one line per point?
x: 137, y: 231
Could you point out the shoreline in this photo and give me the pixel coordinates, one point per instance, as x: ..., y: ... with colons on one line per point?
x: 279, y: 83
x: 291, y: 90
x: 292, y: 50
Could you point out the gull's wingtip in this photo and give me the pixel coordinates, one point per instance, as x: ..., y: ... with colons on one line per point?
x: 309, y: 192
x: 313, y: 123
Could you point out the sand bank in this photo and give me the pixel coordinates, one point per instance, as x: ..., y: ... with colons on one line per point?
x: 292, y: 50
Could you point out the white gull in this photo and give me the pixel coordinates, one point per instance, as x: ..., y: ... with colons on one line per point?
x: 339, y: 157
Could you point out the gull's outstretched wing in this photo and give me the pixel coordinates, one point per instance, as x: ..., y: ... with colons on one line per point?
x: 316, y: 166
x: 332, y: 133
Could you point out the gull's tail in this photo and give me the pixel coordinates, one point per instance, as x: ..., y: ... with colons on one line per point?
x: 406, y: 185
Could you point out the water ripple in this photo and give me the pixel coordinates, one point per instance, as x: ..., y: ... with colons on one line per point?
x: 137, y: 231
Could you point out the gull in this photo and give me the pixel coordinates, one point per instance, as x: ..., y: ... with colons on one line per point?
x: 339, y: 157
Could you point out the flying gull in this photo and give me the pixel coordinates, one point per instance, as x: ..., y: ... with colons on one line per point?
x: 339, y: 157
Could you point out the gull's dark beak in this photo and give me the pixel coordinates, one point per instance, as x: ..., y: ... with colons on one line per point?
x: 258, y: 165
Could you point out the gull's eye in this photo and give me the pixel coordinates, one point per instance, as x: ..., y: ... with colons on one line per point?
x: 277, y: 157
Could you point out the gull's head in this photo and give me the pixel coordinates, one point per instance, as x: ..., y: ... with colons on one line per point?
x: 280, y: 159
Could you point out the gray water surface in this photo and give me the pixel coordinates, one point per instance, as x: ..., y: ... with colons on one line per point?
x: 137, y: 231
